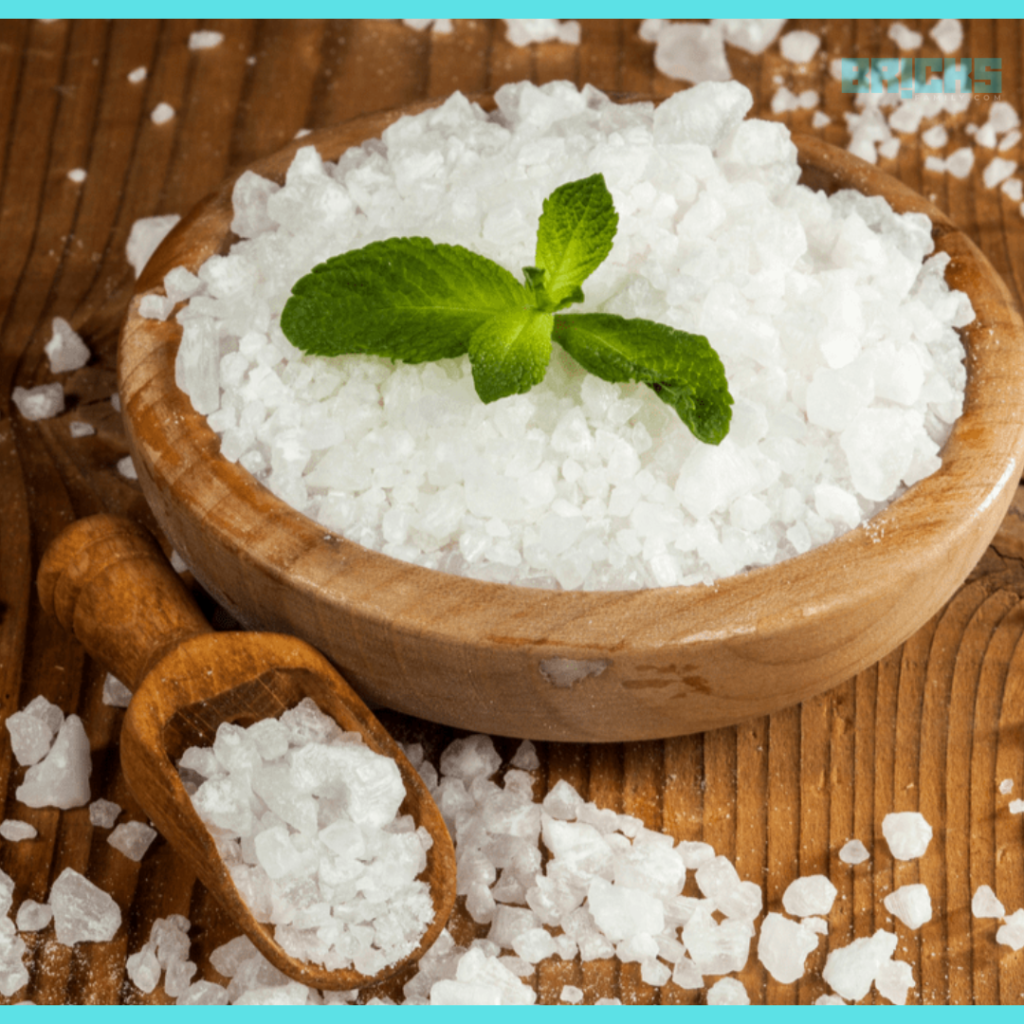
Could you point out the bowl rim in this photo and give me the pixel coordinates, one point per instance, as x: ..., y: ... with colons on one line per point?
x: 982, y: 460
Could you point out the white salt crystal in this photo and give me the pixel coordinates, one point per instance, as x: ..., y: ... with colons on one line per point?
x: 470, y: 757
x: 33, y: 916
x: 179, y: 978
x: 705, y: 115
x: 783, y: 946
x: 137, y: 75
x: 571, y: 994
x: 893, y: 980
x: 905, y: 38
x: 32, y: 730
x: 997, y: 171
x: 155, y: 307
x: 1006, y: 787
x: 178, y: 564
x: 126, y: 467
x: 1013, y: 189
x: 693, y: 52
x: 162, y: 113
x: 204, y: 993
x: 986, y: 136
x: 39, y: 403
x: 854, y: 852
x: 526, y: 757
x: 61, y: 779
x: 686, y: 975
x: 621, y: 912
x: 115, y: 402
x: 17, y: 831
x: 984, y: 903
x: 1009, y: 140
x: 226, y: 959
x: 650, y: 28
x: 143, y: 969
x: 912, y: 904
x: 852, y: 969
x: 819, y: 119
x: 1003, y: 117
x: 77, y: 428
x: 935, y: 164
x: 717, y: 948
x: 1012, y: 932
x: 205, y: 39
x: 180, y: 283
x: 948, y: 34
x: 1016, y: 806
x: 115, y: 693
x: 828, y: 999
x: 728, y: 992
x: 720, y: 883
x: 960, y: 162
x: 145, y: 237
x: 82, y: 912
x: 754, y: 35
x: 77, y: 175
x: 132, y: 838
x: 524, y: 31
x: 936, y: 137
x: 695, y: 854
x: 809, y: 895
x: 562, y: 802
x: 800, y: 46
x: 907, y: 833
x: 889, y: 148
x: 103, y: 813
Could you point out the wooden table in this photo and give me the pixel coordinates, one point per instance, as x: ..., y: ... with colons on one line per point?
x: 932, y: 727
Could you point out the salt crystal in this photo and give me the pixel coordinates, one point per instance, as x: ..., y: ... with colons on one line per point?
x: 650, y: 28
x: 1013, y: 189
x: 912, y: 904
x: 137, y: 75
x: 828, y: 999
x: 61, y: 779
x: 686, y: 975
x: 819, y: 119
x: 571, y: 994
x: 143, y: 969
x: 155, y: 307
x: 935, y: 164
x: 728, y: 992
x: 704, y: 115
x: 524, y: 31
x: 960, y: 162
x: 1009, y: 140
x: 854, y: 852
x: 76, y: 428
x: 754, y: 35
x: 905, y: 38
x: 115, y: 693
x: 77, y: 175
x: 17, y: 831
x: 783, y: 947
x: 717, y: 948
x: 145, y: 237
x: 132, y: 838
x: 693, y: 52
x: 948, y: 34
x: 984, y: 903
x: 889, y: 148
x: 470, y: 757
x: 621, y: 912
x: 82, y: 912
x: 526, y: 757
x: 800, y: 46
x: 1012, y: 932
x: 719, y: 882
x: 852, y: 969
x: 695, y: 854
x: 907, y: 833
x: 103, y: 813
x: 204, y: 39
x: 33, y: 916
x: 1003, y: 117
x: 180, y: 283
x: 126, y: 467
x: 809, y: 895
x: 997, y: 171
x: 1006, y: 787
x: 562, y: 801
x: 179, y: 978
x: 1017, y: 806
x: 32, y: 730
x: 935, y: 137
x: 986, y: 136
x: 204, y: 993
x: 162, y: 113
x: 115, y: 402
x: 893, y: 979
x: 39, y: 403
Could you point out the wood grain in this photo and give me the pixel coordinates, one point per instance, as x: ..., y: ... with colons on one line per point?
x: 830, y: 769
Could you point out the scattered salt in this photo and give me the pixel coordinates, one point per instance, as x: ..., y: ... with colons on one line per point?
x: 61, y: 779
x: 936, y: 137
x: 137, y: 75
x: 905, y: 38
x: 115, y: 693
x: 32, y: 730
x: 441, y: 26
x: 77, y: 175
x: 692, y: 52
x: 126, y: 467
x: 1009, y: 140
x: 800, y: 46
x: 524, y: 31
x: 132, y: 838
x: 155, y: 307
x: 17, y: 831
x: 819, y: 119
x: 997, y: 171
x: 115, y: 402
x: 526, y: 757
x: 103, y: 813
x: 1011, y: 933
x: 809, y: 895
x: 912, y: 904
x: 1002, y: 117
x: 907, y: 833
x: 78, y: 428
x: 145, y: 237
x: 984, y: 903
x: 39, y: 403
x: 205, y: 39
x: 162, y: 113
x: 571, y: 994
x: 82, y: 912
x: 1006, y: 787
x: 1017, y: 806
x: 948, y: 34
x: 783, y: 947
x: 33, y: 916
x: 1013, y: 189
x: 728, y: 992
x: 893, y: 980
x: 854, y: 852
x: 851, y: 970
x: 754, y: 35
x: 960, y: 162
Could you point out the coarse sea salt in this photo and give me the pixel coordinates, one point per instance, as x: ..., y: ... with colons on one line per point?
x: 17, y: 831
x: 581, y: 484
x: 39, y: 403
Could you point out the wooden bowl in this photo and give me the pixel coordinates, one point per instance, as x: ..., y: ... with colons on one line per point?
x: 579, y: 666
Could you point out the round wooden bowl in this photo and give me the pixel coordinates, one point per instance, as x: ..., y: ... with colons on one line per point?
x: 579, y: 666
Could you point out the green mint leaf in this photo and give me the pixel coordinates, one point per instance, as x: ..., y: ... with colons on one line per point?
x: 509, y: 352
x: 404, y: 298
x: 682, y: 369
x: 574, y: 236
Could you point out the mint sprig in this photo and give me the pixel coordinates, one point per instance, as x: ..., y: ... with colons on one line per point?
x: 413, y: 300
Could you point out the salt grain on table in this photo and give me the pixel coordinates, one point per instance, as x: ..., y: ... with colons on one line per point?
x: 809, y: 895
x: 524, y: 31
x: 854, y: 852
x: 205, y: 39
x: 78, y: 428
x: 115, y: 693
x: 948, y: 34
x: 137, y: 75
x: 77, y: 175
x: 851, y: 970
x: 33, y: 916
x: 1016, y: 806
x: 985, y: 903
x: 800, y: 46
x: 82, y: 912
x: 17, y: 831
x: 728, y: 992
x: 692, y: 52
x: 103, y: 813
x: 132, y: 838
x: 912, y: 904
x: 162, y: 113
x: 783, y: 946
x: 1012, y: 932
x: 753, y: 35
x: 32, y: 730
x: 155, y: 307
x: 39, y: 403
x: 905, y: 38
x: 145, y: 237
x: 571, y: 994
x: 907, y: 833
x: 61, y: 779
x: 126, y: 467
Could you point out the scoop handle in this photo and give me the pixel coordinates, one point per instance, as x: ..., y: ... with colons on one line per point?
x: 107, y: 582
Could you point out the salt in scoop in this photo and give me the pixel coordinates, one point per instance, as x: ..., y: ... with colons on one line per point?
x: 107, y: 581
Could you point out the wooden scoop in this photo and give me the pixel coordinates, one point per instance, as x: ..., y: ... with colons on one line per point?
x: 107, y: 581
